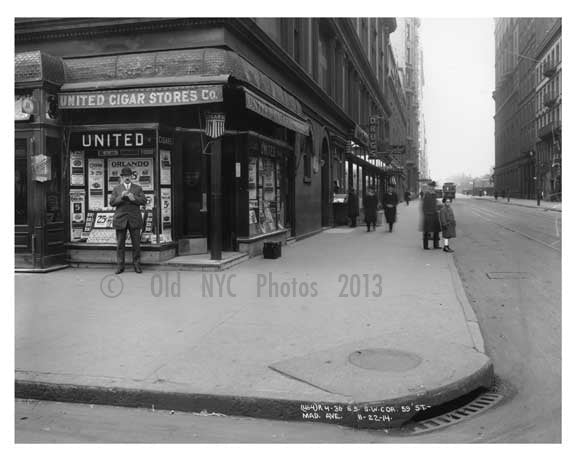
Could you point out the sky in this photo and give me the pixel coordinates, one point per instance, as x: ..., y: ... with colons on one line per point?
x: 458, y: 105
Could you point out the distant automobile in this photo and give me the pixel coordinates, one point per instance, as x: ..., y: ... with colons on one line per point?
x: 449, y: 191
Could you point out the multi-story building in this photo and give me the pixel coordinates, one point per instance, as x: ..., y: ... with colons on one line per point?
x: 397, y: 125
x: 548, y: 74
x: 238, y: 129
x: 528, y: 99
x: 407, y: 50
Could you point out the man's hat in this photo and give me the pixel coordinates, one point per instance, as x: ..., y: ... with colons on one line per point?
x: 126, y: 171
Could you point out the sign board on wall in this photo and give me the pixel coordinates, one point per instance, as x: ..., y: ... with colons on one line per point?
x: 141, y: 97
x: 41, y: 168
x: 117, y: 139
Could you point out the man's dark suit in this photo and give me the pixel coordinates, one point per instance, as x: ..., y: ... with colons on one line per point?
x: 127, y: 217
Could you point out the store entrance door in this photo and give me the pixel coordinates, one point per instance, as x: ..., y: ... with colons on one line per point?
x: 193, y: 204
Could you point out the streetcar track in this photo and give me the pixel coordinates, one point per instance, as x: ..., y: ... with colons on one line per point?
x: 478, y: 212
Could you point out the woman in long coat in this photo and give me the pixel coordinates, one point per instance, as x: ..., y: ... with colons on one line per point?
x: 390, y: 203
x: 430, y: 221
x: 353, y: 210
x: 448, y: 224
x: 370, y: 209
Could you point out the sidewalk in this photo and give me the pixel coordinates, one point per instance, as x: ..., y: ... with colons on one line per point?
x: 544, y: 205
x: 342, y: 320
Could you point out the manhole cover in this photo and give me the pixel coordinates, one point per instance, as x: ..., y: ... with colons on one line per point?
x: 384, y: 359
x: 507, y: 275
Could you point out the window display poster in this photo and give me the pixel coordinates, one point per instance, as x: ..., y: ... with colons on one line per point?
x: 77, y: 168
x: 268, y: 179
x: 96, y: 183
x: 252, y: 172
x: 142, y: 172
x: 149, y: 201
x: 166, y: 214
x: 165, y: 168
x: 77, y: 213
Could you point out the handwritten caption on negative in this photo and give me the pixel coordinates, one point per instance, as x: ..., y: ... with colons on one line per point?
x: 365, y: 414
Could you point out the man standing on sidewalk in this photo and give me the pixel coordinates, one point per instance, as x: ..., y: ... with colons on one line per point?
x: 127, y: 198
x: 390, y: 203
x: 353, y: 210
x: 431, y: 222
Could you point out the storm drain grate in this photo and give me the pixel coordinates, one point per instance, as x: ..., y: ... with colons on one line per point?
x: 507, y: 275
x: 476, y: 406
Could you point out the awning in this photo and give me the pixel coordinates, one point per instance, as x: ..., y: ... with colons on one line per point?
x: 272, y: 112
x: 205, y: 66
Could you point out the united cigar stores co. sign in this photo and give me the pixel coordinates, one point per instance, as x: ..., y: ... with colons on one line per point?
x: 141, y: 97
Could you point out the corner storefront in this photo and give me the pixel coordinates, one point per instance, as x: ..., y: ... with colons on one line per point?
x: 168, y: 125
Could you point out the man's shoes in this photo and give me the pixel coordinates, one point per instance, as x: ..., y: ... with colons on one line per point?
x: 447, y: 249
x: 137, y: 268
x: 119, y: 269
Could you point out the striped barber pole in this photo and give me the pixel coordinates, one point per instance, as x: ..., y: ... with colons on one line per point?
x: 215, y: 124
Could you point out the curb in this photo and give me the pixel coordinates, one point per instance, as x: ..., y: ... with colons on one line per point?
x: 385, y: 414
x: 471, y: 319
x: 545, y: 208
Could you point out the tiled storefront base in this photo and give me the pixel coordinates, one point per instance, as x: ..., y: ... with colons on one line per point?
x: 254, y: 246
x: 90, y: 254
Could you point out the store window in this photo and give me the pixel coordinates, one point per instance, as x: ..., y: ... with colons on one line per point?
x: 20, y: 182
x: 96, y: 160
x: 266, y: 189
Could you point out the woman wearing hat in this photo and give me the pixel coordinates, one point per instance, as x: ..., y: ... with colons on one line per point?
x: 127, y: 197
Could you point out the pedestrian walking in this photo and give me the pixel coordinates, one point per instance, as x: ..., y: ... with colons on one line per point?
x: 370, y: 209
x: 127, y: 197
x: 407, y: 197
x: 448, y: 224
x: 353, y: 210
x: 390, y: 203
x: 495, y: 194
x: 421, y: 194
x: 430, y: 221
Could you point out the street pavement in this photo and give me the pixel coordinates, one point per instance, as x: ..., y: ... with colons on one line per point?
x: 347, y: 327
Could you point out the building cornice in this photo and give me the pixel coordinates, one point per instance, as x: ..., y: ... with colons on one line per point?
x: 550, y: 36
x: 27, y: 30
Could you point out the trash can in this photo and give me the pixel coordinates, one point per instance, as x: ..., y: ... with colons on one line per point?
x: 272, y: 250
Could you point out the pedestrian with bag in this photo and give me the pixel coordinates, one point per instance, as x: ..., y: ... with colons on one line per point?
x: 448, y: 224
x: 390, y: 203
